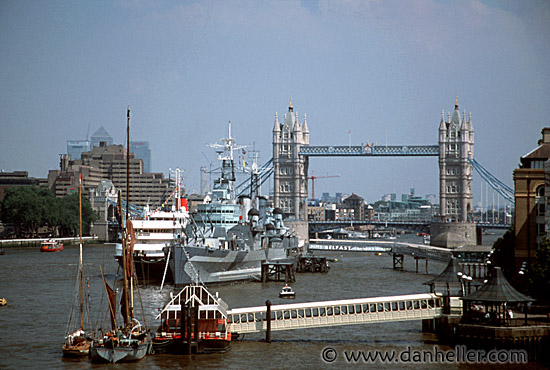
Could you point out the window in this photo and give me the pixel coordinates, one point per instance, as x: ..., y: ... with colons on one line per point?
x: 286, y: 170
x: 537, y: 164
x: 540, y: 191
x: 541, y: 230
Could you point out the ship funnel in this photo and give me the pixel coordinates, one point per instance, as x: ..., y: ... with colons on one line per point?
x: 262, y: 204
x: 246, y: 205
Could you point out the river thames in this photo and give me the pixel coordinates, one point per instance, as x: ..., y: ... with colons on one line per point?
x: 39, y: 288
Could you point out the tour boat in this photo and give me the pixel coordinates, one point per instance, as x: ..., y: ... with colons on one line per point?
x: 51, y: 246
x: 154, y: 232
x: 204, y: 323
x: 287, y: 292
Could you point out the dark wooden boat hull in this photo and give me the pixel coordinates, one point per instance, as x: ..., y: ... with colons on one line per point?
x: 102, y: 354
x: 79, y: 350
x: 176, y: 347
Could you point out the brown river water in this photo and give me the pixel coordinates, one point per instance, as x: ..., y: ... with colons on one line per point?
x: 39, y: 288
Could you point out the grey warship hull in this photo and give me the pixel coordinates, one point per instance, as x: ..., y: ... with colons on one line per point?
x: 213, y: 266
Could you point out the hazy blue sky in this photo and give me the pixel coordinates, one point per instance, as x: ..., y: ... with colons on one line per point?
x: 383, y: 69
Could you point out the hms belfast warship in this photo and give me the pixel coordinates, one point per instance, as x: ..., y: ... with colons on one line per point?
x: 229, y: 236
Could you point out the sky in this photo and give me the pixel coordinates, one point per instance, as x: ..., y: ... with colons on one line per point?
x: 361, y: 70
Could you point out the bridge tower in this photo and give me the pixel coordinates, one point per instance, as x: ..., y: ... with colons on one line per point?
x: 290, y: 169
x: 456, y: 145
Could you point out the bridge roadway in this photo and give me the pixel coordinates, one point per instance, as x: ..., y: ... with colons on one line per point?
x: 416, y: 250
x: 333, y: 313
x: 370, y: 150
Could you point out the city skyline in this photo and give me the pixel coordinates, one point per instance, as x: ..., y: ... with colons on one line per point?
x: 361, y: 71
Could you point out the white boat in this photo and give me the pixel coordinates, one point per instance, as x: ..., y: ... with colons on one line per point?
x: 287, y: 292
x: 155, y: 231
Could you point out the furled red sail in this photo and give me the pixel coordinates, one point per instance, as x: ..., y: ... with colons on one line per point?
x: 112, y: 304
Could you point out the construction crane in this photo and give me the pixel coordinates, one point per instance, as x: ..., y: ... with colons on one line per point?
x: 313, y: 177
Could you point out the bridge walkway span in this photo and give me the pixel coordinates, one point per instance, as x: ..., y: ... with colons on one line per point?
x: 347, y: 245
x: 334, y: 313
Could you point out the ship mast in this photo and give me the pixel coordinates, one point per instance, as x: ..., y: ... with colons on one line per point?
x: 225, y: 155
x: 127, y: 318
x: 80, y: 266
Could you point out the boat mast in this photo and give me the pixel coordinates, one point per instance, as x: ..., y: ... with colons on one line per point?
x: 80, y: 267
x: 124, y: 229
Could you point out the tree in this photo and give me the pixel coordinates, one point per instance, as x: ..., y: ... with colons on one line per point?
x: 70, y: 217
x: 26, y: 208
x: 539, y: 272
x: 29, y: 208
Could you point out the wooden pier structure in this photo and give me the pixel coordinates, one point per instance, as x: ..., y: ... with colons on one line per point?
x: 278, y: 271
x: 312, y: 264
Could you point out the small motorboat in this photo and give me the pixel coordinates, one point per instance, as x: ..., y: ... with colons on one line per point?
x: 3, y: 301
x: 287, y: 292
x: 51, y: 246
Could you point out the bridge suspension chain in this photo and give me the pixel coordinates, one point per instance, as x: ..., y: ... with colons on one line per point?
x: 264, y: 173
x: 504, y: 190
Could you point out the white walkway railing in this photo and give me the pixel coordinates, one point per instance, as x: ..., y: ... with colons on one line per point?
x: 332, y: 313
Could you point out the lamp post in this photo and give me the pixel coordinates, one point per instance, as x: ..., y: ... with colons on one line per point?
x: 522, y: 277
x: 469, y: 280
x: 460, y: 275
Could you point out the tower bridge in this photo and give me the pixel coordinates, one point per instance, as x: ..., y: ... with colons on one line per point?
x: 455, y: 150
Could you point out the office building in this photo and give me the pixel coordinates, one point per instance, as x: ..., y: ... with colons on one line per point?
x: 142, y: 151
